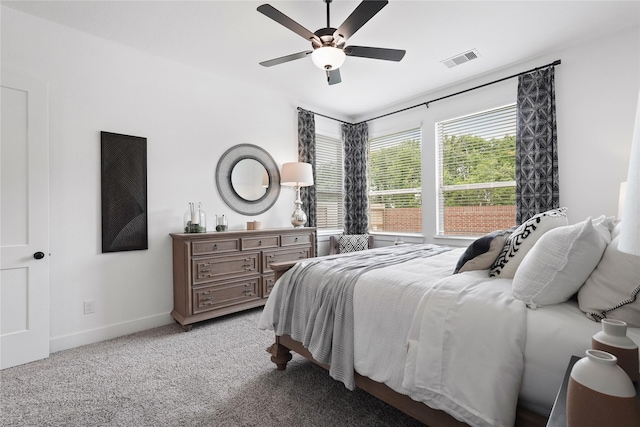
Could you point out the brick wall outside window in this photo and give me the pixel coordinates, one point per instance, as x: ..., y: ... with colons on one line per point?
x: 459, y: 220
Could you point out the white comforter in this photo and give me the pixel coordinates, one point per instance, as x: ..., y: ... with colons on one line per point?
x: 385, y: 306
x: 466, y: 349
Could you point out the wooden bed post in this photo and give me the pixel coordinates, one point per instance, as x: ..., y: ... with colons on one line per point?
x: 280, y: 355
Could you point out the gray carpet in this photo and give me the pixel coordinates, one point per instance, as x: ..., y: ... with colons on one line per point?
x: 219, y: 374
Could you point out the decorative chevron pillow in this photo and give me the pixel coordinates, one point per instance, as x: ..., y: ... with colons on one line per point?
x: 523, y: 239
x: 353, y: 242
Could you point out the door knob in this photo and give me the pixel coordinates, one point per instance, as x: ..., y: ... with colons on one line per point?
x: 38, y: 255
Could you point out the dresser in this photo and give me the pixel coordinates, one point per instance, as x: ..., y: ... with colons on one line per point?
x: 219, y: 273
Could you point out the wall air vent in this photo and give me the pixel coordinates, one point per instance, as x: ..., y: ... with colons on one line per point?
x: 461, y: 58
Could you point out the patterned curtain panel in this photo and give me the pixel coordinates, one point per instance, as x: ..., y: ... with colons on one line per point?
x: 355, y: 139
x: 307, y: 154
x: 537, y: 188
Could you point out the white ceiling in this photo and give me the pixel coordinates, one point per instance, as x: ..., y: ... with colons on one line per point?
x: 230, y: 38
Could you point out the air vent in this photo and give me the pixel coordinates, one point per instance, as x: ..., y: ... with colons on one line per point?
x: 461, y: 59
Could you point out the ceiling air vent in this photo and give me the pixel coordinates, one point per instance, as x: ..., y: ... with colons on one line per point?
x: 461, y: 59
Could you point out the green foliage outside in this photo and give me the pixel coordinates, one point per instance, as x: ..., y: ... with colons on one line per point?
x: 471, y: 159
x: 393, y: 168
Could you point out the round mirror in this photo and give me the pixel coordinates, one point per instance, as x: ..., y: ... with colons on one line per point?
x: 248, y: 179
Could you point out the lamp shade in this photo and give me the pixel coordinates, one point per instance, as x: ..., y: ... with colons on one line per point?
x: 328, y: 58
x: 630, y: 232
x: 296, y: 174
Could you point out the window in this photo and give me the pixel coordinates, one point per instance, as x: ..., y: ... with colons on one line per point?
x: 329, y: 204
x: 395, y: 182
x: 477, y: 172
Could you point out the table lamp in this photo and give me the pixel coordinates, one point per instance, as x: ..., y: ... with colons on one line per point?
x: 297, y: 174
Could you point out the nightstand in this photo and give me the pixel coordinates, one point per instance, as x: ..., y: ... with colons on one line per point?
x: 558, y: 417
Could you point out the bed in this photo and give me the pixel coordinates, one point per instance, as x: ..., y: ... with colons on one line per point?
x: 449, y: 349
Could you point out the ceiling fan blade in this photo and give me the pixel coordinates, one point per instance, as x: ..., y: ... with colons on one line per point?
x: 333, y: 76
x: 365, y: 11
x: 281, y: 18
x: 375, y: 53
x: 283, y: 59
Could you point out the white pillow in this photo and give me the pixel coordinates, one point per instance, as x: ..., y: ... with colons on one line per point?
x: 559, y: 263
x: 523, y: 239
x: 612, y: 290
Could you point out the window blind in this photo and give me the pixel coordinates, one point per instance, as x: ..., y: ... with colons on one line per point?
x: 395, y: 182
x: 329, y: 172
x: 476, y: 168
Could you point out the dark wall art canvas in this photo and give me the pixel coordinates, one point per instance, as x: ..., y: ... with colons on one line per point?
x: 124, y: 192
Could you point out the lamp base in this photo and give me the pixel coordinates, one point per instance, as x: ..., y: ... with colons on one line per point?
x: 298, y: 217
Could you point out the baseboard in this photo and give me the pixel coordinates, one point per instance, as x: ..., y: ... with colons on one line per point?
x: 108, y: 332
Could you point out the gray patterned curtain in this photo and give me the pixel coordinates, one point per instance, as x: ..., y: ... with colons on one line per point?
x: 307, y: 153
x: 537, y: 188
x: 355, y: 140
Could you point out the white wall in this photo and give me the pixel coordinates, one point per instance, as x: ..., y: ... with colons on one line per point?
x: 189, y: 119
x: 597, y: 87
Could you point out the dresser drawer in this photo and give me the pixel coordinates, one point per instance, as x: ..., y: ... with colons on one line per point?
x: 208, y: 269
x: 262, y: 242
x: 295, y: 239
x: 269, y: 257
x: 268, y: 280
x: 206, y: 247
x: 226, y: 294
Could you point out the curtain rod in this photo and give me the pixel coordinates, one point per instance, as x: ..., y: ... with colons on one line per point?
x: 426, y: 104
x: 326, y: 117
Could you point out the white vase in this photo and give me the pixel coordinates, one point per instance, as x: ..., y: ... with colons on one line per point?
x: 613, y: 339
x: 600, y: 393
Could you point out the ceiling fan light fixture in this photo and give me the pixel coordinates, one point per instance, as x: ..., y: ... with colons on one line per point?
x: 328, y: 57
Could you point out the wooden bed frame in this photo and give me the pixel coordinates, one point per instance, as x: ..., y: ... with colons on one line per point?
x: 281, y: 355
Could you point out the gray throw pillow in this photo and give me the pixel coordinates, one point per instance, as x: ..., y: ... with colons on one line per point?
x: 482, y: 252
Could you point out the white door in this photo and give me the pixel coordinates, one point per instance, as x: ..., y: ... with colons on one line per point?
x: 24, y: 221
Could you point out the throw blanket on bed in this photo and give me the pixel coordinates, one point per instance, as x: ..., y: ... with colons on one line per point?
x: 466, y: 349
x: 313, y: 302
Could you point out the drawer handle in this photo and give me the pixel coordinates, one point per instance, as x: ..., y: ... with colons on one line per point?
x: 207, y: 303
x: 259, y: 242
x: 248, y: 293
x: 205, y: 270
x: 215, y: 247
x: 206, y: 299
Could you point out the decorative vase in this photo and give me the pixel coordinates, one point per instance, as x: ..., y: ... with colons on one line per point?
x: 221, y: 223
x: 613, y: 339
x: 194, y: 219
x: 600, y: 393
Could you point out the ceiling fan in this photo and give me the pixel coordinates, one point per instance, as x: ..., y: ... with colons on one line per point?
x: 329, y: 50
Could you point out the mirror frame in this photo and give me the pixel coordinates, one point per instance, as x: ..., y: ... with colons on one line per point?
x: 228, y: 161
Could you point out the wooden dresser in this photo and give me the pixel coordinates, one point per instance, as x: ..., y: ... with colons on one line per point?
x: 218, y: 273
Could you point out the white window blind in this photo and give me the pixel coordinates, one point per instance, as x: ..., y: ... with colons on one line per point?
x: 476, y: 165
x: 329, y: 203
x: 395, y: 182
